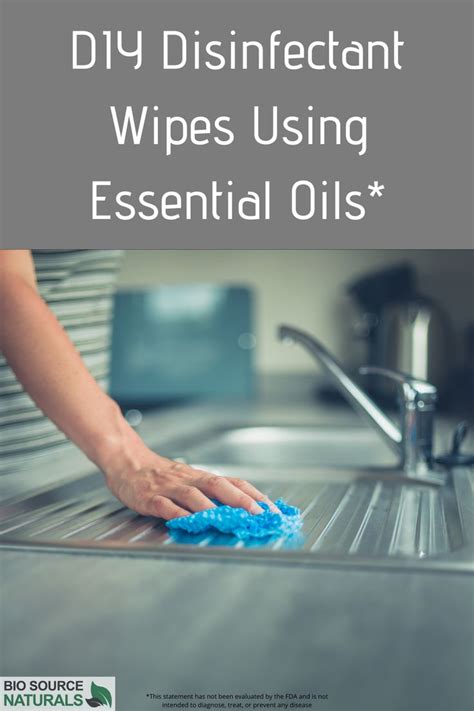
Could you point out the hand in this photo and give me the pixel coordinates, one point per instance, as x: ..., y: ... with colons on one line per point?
x: 168, y: 489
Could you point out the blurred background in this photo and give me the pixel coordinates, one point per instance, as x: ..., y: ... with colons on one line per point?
x: 197, y: 323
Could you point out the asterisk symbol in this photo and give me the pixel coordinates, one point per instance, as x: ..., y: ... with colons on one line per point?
x: 376, y: 189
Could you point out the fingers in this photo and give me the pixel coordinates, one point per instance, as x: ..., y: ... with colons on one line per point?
x: 171, y: 489
x: 252, y: 491
x: 220, y: 488
x: 191, y: 498
x: 164, y: 508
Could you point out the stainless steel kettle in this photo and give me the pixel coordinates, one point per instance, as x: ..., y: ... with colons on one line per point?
x: 414, y: 335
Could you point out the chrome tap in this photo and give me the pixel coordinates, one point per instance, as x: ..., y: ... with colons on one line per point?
x: 413, y: 441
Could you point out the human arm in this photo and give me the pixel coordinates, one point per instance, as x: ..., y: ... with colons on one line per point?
x: 52, y: 372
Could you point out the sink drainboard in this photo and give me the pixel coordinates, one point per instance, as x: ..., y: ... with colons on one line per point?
x: 366, y: 522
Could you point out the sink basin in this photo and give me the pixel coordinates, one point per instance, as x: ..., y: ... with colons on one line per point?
x: 305, y: 446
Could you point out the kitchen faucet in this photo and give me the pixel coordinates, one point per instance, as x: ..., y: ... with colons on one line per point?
x: 413, y: 442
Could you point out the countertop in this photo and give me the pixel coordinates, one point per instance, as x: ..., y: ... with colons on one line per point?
x: 372, y: 640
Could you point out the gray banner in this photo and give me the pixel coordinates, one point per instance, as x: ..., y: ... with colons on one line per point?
x: 373, y: 157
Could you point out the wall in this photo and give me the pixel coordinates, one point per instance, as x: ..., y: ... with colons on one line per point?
x: 306, y: 288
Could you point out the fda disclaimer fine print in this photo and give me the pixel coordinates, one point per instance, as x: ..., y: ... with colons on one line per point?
x: 236, y: 355
x: 237, y: 701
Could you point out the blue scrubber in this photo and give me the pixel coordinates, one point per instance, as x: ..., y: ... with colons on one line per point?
x: 241, y: 523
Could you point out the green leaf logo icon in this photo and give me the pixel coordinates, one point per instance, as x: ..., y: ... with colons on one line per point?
x: 101, y: 696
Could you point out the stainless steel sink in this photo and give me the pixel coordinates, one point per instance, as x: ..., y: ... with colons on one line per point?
x: 350, y: 518
x: 275, y: 446
x: 357, y: 508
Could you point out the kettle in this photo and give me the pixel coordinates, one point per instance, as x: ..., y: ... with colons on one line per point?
x: 402, y: 329
x: 413, y: 335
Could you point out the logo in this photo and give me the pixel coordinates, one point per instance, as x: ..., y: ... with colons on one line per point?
x: 101, y: 696
x: 43, y: 693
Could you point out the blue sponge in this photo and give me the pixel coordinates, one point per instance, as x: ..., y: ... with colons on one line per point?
x: 240, y: 522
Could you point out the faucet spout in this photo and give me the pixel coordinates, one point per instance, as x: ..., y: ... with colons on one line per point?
x: 359, y: 399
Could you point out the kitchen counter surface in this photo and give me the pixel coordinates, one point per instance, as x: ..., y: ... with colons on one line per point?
x: 372, y: 640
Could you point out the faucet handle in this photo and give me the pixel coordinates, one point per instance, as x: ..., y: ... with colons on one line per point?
x: 413, y: 388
